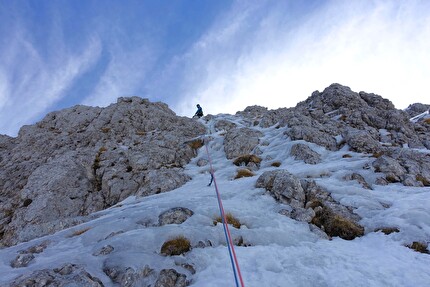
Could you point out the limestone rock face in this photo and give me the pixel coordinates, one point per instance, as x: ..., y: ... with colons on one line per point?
x: 416, y: 109
x: 171, y: 278
x: 84, y: 159
x: 283, y: 186
x: 305, y: 153
x: 67, y: 275
x: 240, y: 141
x: 176, y: 215
x: 409, y: 167
x: 311, y: 203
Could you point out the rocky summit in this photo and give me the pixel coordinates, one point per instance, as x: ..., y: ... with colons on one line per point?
x: 118, y: 196
x: 84, y: 159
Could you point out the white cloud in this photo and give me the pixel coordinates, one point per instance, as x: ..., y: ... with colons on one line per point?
x: 32, y: 84
x: 279, y: 59
x: 124, y: 75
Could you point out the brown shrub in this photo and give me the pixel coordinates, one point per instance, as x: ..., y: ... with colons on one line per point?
x: 230, y: 220
x: 105, y: 130
x: 419, y: 247
x: 427, y: 121
x: 276, y: 164
x: 378, y: 154
x: 246, y: 159
x: 388, y: 230
x: 421, y: 178
x: 336, y: 225
x: 196, y: 144
x: 176, y: 246
x: 244, y: 173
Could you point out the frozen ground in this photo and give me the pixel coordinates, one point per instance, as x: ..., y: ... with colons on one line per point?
x: 282, y: 251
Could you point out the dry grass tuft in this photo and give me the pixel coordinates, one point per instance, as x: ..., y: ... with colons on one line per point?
x: 419, y: 247
x: 140, y: 133
x: 388, y: 230
x: 79, y: 232
x: 427, y: 121
x: 176, y: 246
x: 276, y: 164
x: 378, y: 154
x: 335, y: 225
x: 105, y: 130
x: 424, y: 180
x: 196, y: 144
x: 347, y: 155
x: 246, y: 159
x: 230, y: 220
x: 244, y: 173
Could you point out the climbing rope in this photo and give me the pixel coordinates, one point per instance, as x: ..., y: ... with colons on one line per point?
x: 232, y: 253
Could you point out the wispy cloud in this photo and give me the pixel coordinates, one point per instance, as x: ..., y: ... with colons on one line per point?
x: 277, y: 59
x: 125, y: 73
x: 31, y: 83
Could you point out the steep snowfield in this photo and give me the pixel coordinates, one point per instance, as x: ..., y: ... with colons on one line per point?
x: 282, y: 251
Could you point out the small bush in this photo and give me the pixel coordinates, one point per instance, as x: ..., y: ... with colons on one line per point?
x: 244, y: 173
x: 246, y: 159
x: 276, y: 164
x: 388, y: 230
x: 424, y: 181
x: 176, y: 246
x: 378, y: 154
x: 419, y: 247
x: 335, y: 225
x: 230, y: 220
x: 196, y: 144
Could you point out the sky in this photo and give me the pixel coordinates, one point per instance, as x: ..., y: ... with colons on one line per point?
x: 224, y: 55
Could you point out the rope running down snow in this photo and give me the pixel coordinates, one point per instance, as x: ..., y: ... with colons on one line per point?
x: 232, y: 253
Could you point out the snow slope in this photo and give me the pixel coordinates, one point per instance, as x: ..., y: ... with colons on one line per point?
x: 282, y: 251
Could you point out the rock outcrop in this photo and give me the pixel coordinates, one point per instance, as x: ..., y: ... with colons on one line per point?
x: 84, y: 159
x: 66, y: 275
x: 311, y: 203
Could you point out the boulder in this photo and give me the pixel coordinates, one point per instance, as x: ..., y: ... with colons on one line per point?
x: 67, y: 275
x: 128, y: 276
x: 305, y: 153
x: 390, y: 167
x: 361, y: 141
x: 241, y: 141
x: 283, y: 186
x: 176, y: 215
x: 171, y: 278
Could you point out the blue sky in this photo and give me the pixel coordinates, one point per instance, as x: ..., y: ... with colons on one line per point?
x: 225, y: 55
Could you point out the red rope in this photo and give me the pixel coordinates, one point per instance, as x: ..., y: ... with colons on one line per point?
x: 224, y: 219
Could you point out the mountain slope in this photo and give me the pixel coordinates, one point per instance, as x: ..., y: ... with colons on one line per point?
x: 314, y: 151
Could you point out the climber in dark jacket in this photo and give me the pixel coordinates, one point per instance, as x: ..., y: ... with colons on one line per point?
x: 199, y: 112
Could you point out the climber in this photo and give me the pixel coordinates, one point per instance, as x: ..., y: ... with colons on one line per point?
x: 199, y: 112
